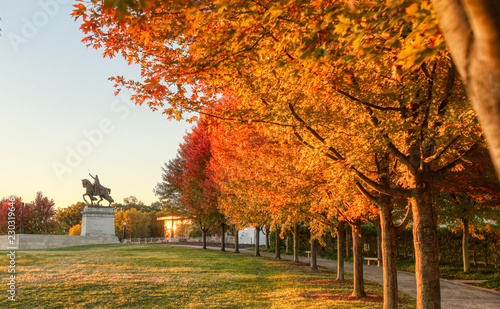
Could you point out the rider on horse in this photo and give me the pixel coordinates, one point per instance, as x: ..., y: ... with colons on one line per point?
x: 98, y: 188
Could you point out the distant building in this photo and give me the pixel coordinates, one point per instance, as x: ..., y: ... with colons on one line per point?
x: 247, y: 236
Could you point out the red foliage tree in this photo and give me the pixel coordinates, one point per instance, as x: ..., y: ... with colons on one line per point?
x: 186, y: 182
x: 38, y: 215
x: 4, y: 214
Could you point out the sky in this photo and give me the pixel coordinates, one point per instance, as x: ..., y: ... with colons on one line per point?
x: 60, y: 118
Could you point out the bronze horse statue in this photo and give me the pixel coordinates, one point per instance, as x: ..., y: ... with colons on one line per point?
x: 100, y: 191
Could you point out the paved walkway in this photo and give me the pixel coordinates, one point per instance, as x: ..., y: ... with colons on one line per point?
x: 454, y: 295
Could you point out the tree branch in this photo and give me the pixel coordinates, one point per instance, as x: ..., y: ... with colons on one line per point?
x: 450, y: 81
x: 366, y: 104
x: 405, y: 160
x: 438, y: 154
x: 241, y: 51
x: 314, y: 132
x: 367, y: 194
x: 452, y: 164
x: 405, y: 193
x: 312, y: 147
x: 241, y: 120
x: 400, y: 228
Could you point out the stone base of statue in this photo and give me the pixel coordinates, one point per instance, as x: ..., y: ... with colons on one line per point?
x: 98, y: 221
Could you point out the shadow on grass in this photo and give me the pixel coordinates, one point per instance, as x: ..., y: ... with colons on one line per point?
x: 144, y: 276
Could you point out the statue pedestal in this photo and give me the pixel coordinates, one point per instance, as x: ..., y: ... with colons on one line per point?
x: 98, y: 221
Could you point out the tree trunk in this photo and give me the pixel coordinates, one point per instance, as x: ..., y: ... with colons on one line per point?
x: 357, y: 249
x: 348, y: 241
x: 486, y: 264
x: 379, y: 242
x: 314, y: 253
x: 474, y: 257
x: 388, y: 235
x: 471, y: 29
x: 296, y: 243
x: 277, y: 252
x: 465, y: 246
x: 204, y: 237
x: 222, y: 237
x: 267, y: 237
x: 426, y: 247
x: 340, y: 250
x: 236, y: 241
x: 257, y: 241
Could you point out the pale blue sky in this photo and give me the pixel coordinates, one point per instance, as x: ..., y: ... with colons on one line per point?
x: 60, y: 118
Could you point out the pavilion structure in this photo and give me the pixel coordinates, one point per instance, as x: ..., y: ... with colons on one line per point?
x: 170, y: 223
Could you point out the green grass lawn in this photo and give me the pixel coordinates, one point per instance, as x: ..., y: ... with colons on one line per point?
x: 149, y: 276
x: 456, y: 271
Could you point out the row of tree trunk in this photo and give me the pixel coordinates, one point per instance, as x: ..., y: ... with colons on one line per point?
x: 388, y: 253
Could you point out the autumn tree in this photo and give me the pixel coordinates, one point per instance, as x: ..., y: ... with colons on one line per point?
x: 6, y: 204
x: 187, y: 185
x: 38, y: 215
x: 169, y: 191
x: 350, y: 206
x: 468, y: 195
x: 138, y: 223
x: 69, y: 217
x: 75, y: 230
x: 238, y: 200
x: 326, y: 71
x: 263, y: 178
x: 141, y: 219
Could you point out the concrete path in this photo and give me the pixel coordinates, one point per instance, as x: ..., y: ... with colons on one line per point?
x: 454, y: 295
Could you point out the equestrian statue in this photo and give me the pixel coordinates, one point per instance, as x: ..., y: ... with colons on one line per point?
x: 96, y: 189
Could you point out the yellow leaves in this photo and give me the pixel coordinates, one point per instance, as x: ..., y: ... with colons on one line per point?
x: 394, y: 41
x: 413, y: 9
x: 328, y: 19
x: 275, y: 11
x: 424, y: 41
x: 458, y: 168
x: 223, y: 6
x: 344, y: 23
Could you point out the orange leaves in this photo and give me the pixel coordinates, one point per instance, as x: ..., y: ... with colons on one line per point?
x: 313, y: 89
x: 79, y: 10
